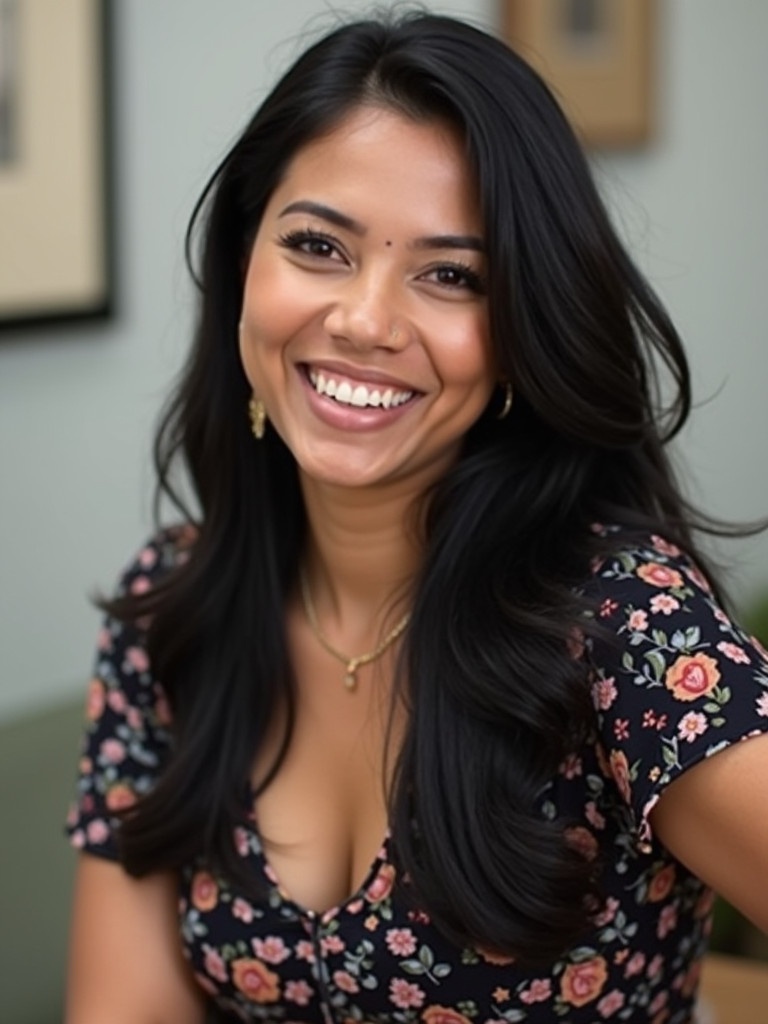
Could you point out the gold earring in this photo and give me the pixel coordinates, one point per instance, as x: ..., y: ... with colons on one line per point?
x: 258, y: 417
x: 508, y: 396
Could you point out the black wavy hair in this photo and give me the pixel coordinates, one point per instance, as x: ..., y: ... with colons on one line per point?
x: 498, y: 701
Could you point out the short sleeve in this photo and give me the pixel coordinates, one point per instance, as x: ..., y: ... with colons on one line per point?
x: 127, y: 735
x: 674, y: 679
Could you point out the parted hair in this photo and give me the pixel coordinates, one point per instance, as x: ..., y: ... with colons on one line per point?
x: 495, y: 701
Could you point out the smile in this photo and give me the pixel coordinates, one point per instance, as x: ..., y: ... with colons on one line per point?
x: 358, y: 394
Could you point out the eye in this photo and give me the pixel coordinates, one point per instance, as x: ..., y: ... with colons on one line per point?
x: 456, y: 277
x: 312, y: 243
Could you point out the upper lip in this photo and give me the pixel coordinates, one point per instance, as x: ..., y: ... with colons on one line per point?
x: 363, y: 374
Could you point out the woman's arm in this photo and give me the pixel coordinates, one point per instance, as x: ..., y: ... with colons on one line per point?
x: 714, y: 819
x: 126, y: 964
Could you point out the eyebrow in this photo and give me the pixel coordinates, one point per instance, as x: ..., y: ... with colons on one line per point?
x: 341, y: 220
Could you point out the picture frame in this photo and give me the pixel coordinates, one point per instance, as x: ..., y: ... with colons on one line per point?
x: 56, y: 245
x: 597, y: 56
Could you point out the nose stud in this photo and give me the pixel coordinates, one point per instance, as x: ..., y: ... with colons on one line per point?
x: 394, y: 332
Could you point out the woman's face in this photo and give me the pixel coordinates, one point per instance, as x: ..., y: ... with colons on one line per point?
x: 365, y: 322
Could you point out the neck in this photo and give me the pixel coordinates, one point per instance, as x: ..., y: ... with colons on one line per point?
x: 363, y: 552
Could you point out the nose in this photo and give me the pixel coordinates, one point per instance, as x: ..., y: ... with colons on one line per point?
x: 367, y: 313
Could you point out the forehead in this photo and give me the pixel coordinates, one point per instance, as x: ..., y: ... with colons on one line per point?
x: 375, y: 156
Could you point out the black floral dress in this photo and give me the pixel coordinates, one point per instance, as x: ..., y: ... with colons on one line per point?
x: 683, y: 683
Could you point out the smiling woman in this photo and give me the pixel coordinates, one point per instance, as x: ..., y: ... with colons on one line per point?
x: 364, y: 326
x: 430, y: 713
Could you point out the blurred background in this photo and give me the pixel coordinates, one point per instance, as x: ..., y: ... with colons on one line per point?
x: 78, y: 401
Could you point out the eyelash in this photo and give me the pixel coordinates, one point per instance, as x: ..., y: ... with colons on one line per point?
x: 298, y: 240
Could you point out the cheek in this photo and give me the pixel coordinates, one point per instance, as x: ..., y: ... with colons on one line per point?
x: 269, y: 318
x: 466, y: 359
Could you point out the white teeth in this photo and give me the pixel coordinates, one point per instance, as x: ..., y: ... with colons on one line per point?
x: 344, y: 393
x: 358, y: 396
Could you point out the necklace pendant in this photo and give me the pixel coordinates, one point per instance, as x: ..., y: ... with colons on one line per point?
x: 350, y: 676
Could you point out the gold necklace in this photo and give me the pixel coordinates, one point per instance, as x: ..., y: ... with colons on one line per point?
x: 351, y: 664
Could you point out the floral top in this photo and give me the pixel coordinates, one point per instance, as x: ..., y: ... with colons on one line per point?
x: 682, y: 684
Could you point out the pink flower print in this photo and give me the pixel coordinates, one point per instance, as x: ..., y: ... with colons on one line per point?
x: 242, y: 910
x: 611, y: 1003
x: 620, y: 770
x: 635, y: 965
x: 658, y: 1002
x: 664, y: 604
x: 332, y: 944
x: 418, y: 916
x: 691, y: 677
x: 269, y: 872
x: 608, y: 607
x: 582, y: 840
x: 77, y: 839
x: 404, y: 994
x: 664, y: 547
x: 538, y: 991
x: 698, y: 579
x: 112, y: 751
x: 604, y: 693
x: 667, y: 920
x: 401, y: 941
x: 593, y: 816
x: 734, y: 652
x: 117, y: 701
x: 762, y: 705
x: 621, y: 728
x: 304, y: 951
x: 660, y: 575
x: 134, y: 719
x: 355, y: 907
x: 721, y: 617
x: 571, y: 767
x: 371, y: 923
x: 104, y: 639
x: 137, y: 658
x: 759, y: 647
x: 206, y: 984
x: 691, y: 725
x: 214, y: 964
x: 163, y: 712
x: 608, y: 912
x: 147, y: 558
x: 271, y: 950
x: 241, y: 841
x: 382, y: 884
x: 500, y: 995
x: 575, y: 643
x: 298, y: 992
x: 141, y: 585
x: 97, y: 831
x: 344, y: 981
x: 638, y: 621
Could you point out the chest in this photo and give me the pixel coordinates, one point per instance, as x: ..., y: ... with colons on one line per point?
x: 322, y: 818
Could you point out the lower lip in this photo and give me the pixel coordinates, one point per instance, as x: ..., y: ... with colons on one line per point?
x: 352, y: 417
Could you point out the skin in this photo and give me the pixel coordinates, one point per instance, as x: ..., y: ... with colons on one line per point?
x: 380, y: 302
x: 358, y: 293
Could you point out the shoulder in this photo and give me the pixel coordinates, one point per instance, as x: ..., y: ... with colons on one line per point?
x: 166, y: 550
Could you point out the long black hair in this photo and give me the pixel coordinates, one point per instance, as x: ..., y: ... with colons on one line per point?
x: 495, y: 701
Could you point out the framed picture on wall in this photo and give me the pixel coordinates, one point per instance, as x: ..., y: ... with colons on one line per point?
x: 55, y: 239
x: 597, y: 57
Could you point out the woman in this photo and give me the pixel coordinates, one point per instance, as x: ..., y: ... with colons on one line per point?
x: 427, y: 711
